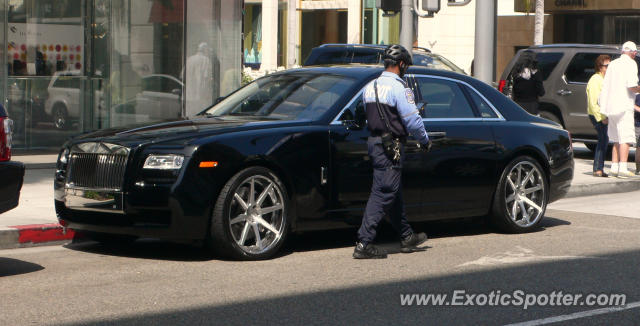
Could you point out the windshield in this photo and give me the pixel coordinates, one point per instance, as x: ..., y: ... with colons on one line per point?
x: 435, y: 61
x: 299, y: 96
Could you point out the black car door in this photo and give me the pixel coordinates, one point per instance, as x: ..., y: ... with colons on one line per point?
x: 458, y: 175
x: 351, y: 170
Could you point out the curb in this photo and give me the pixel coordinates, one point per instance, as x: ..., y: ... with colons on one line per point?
x: 22, y: 236
x: 581, y: 190
x: 35, y: 166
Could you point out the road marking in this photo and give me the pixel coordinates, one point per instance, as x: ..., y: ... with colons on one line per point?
x: 520, y: 255
x: 577, y: 315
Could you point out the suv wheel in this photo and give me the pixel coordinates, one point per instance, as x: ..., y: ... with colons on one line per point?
x: 60, y: 116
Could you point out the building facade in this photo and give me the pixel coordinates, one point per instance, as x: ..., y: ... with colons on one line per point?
x: 72, y: 66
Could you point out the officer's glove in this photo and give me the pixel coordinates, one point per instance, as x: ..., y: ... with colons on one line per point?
x: 426, y: 147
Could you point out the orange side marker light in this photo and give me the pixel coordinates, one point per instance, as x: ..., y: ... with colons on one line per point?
x: 208, y: 164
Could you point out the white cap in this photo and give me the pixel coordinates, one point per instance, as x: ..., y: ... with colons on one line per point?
x: 629, y: 46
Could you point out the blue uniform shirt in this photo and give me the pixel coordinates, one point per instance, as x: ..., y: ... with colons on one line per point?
x: 394, y: 93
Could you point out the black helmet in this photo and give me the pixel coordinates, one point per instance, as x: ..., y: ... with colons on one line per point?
x: 397, y: 53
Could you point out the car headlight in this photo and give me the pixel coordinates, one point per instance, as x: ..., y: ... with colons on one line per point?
x: 64, y: 156
x: 163, y: 162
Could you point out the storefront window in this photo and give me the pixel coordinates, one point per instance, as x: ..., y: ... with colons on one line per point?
x: 46, y: 70
x: 378, y: 28
x: 252, y: 24
x: 252, y: 35
x: 81, y: 65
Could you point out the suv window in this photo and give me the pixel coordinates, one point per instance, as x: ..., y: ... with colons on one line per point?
x: 581, y: 67
x: 444, y: 99
x: 66, y: 82
x: 330, y: 56
x: 366, y: 56
x: 547, y: 61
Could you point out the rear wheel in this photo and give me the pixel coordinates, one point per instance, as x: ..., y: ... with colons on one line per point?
x: 522, y: 196
x: 590, y: 146
x: 250, y: 219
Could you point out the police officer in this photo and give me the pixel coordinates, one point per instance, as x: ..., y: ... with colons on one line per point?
x: 390, y: 109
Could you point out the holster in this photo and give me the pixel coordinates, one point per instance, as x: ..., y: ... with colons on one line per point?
x: 390, y: 145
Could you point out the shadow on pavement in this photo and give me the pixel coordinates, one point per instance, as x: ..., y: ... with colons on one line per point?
x: 380, y: 304
x: 10, y: 267
x: 303, y: 242
x: 145, y: 249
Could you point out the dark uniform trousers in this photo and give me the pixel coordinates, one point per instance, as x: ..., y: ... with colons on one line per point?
x: 386, y: 194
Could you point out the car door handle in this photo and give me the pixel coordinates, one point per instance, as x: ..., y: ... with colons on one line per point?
x: 437, y: 134
x: 564, y: 92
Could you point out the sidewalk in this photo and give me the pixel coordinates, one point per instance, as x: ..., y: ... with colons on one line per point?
x: 34, y: 221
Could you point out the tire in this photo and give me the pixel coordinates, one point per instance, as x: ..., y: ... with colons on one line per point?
x: 591, y: 147
x: 240, y: 228
x: 508, y: 205
x: 551, y: 116
x: 60, y: 116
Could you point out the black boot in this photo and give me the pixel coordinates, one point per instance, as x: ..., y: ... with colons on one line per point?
x: 411, y: 242
x: 367, y: 252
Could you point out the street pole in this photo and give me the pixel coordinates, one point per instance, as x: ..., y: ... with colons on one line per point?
x: 539, y: 25
x: 406, y: 27
x: 484, y: 51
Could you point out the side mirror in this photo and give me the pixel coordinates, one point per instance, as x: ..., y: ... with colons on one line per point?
x: 176, y: 91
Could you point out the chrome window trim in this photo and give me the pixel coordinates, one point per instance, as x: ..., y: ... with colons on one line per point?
x: 499, y: 118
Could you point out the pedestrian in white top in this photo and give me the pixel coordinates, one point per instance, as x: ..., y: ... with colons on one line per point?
x: 617, y: 101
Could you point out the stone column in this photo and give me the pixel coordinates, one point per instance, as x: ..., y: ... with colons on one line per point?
x: 354, y: 29
x: 269, y: 35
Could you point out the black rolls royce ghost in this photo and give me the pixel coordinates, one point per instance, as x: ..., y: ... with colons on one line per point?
x: 288, y: 152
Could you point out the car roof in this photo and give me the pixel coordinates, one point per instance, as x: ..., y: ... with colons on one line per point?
x: 574, y: 45
x: 365, y: 71
x: 415, y: 49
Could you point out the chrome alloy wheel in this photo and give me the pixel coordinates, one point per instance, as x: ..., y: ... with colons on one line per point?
x: 257, y: 215
x: 525, y: 194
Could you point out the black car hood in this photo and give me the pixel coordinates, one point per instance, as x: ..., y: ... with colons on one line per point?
x: 179, y: 130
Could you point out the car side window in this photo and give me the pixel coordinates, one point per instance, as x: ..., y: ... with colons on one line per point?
x: 581, y: 67
x: 356, y: 106
x: 481, y: 105
x: 444, y: 98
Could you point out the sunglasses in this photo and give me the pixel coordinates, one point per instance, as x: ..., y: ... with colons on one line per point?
x: 607, y: 65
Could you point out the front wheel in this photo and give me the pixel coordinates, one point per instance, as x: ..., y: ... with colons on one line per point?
x: 522, y: 196
x: 250, y: 219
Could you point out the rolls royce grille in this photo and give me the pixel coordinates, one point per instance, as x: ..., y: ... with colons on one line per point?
x: 97, y: 171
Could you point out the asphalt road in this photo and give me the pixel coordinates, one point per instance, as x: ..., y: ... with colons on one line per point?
x: 317, y: 282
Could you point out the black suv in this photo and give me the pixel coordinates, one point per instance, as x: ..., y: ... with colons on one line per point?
x: 330, y: 54
x: 566, y: 69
